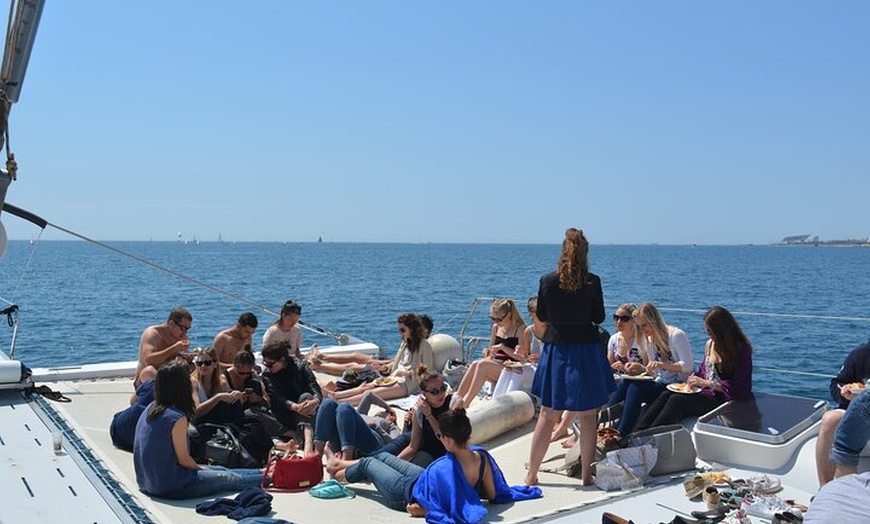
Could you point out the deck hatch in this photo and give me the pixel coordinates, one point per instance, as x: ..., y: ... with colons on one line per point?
x: 764, y: 417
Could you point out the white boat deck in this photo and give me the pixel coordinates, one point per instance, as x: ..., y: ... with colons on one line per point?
x: 95, y: 402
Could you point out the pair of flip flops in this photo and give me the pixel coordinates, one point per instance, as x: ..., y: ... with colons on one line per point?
x: 331, y: 489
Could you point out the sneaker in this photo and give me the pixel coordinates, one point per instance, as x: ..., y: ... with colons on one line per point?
x: 736, y: 517
x: 762, y: 484
x: 764, y: 506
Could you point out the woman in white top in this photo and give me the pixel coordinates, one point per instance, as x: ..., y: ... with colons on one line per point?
x: 623, y: 351
x: 286, y: 328
x: 415, y: 350
x: 670, y: 361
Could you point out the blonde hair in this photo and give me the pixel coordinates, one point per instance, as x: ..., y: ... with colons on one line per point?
x: 573, y: 266
x: 622, y: 346
x: 659, y: 338
x: 502, y: 306
x: 217, y: 379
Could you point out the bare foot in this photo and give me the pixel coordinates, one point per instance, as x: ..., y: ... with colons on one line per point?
x: 590, y: 481
x: 416, y: 510
x: 531, y: 480
x: 558, y: 433
x: 569, y: 442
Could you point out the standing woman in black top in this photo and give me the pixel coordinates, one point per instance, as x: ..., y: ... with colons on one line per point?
x: 573, y: 373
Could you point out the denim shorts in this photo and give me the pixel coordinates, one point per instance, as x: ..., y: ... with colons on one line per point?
x: 853, y: 432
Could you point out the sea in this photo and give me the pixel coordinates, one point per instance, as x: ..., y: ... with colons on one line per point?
x: 804, y: 308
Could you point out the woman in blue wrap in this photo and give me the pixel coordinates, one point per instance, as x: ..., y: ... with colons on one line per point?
x: 469, y: 473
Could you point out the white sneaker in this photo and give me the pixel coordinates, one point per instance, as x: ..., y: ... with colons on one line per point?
x: 764, y: 506
x: 738, y: 516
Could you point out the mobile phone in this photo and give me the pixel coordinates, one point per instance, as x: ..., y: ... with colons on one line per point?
x: 249, y: 391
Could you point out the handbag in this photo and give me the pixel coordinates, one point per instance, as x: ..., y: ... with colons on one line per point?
x: 292, y: 473
x: 676, y: 451
x: 223, y: 449
x: 626, y: 468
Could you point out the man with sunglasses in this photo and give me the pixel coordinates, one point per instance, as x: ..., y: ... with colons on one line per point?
x: 164, y: 342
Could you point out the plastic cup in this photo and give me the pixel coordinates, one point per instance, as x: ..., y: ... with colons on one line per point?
x: 57, y: 441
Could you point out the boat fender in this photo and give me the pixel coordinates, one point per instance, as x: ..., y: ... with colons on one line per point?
x: 13, y: 371
x: 445, y: 348
x: 490, y: 418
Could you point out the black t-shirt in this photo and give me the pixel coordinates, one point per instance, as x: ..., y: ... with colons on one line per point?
x: 856, y: 368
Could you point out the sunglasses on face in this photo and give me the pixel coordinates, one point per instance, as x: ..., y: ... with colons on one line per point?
x: 621, y: 318
x: 268, y: 363
x: 205, y: 363
x: 182, y: 327
x: 497, y: 319
x: 437, y: 391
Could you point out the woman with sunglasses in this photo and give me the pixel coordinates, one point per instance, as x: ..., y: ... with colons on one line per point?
x: 161, y: 454
x: 504, y: 345
x: 725, y: 374
x: 573, y: 373
x: 213, y: 400
x: 415, y: 350
x: 670, y: 361
x: 449, y: 489
x: 425, y: 446
x: 622, y: 348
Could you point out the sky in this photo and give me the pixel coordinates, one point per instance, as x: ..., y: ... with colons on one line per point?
x: 488, y: 121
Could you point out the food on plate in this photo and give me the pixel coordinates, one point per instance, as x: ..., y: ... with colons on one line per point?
x: 857, y: 387
x: 384, y: 381
x: 682, y: 388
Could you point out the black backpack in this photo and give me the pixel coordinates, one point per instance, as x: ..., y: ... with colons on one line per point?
x: 254, y: 438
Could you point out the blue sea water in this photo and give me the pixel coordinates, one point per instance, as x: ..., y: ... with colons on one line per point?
x: 803, y: 308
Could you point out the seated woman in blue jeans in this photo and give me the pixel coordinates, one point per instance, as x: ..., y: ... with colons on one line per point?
x: 670, y: 361
x: 449, y: 489
x: 161, y: 457
x: 351, y: 431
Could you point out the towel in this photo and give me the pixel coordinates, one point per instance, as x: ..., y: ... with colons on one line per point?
x: 250, y: 502
x: 448, y: 497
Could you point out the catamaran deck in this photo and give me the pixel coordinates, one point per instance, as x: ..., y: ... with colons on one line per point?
x: 95, y: 402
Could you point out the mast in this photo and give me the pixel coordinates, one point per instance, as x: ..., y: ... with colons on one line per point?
x: 23, y: 20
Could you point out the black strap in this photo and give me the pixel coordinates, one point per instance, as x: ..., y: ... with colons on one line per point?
x: 48, y: 393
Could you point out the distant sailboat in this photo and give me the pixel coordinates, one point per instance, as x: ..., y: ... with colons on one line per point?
x: 320, y: 239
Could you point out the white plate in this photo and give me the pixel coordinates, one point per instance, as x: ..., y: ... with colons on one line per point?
x: 638, y: 377
x: 676, y: 389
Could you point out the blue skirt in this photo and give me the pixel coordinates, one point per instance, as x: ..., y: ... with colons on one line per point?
x: 574, y: 377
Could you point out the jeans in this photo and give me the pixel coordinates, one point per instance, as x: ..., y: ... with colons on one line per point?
x: 853, y: 432
x: 217, y: 479
x: 393, y: 477
x: 343, y: 427
x: 634, y: 393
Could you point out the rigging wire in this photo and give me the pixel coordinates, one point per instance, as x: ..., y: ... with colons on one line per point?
x: 339, y: 337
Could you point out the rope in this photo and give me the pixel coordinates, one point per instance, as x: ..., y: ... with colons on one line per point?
x: 5, y: 104
x: 775, y: 315
x: 311, y: 327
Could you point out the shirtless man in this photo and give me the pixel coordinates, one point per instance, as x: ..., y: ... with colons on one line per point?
x: 162, y: 343
x: 237, y: 338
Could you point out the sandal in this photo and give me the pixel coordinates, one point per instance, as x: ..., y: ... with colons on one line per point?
x: 694, y: 486
x: 48, y: 393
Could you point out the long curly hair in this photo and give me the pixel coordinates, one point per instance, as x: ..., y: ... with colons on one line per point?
x: 573, y: 267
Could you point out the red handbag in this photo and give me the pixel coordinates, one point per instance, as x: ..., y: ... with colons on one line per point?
x: 292, y: 473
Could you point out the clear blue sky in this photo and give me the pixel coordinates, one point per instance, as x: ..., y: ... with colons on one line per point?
x: 485, y: 121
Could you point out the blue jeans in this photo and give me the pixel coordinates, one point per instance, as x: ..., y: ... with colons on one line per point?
x: 217, y: 479
x: 853, y: 432
x: 393, y: 477
x: 344, y: 427
x: 634, y: 393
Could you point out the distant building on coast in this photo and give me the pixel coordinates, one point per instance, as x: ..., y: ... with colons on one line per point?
x: 805, y: 240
